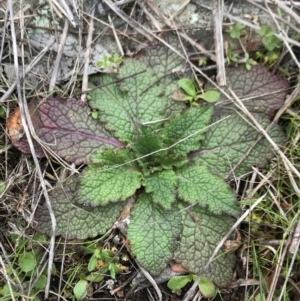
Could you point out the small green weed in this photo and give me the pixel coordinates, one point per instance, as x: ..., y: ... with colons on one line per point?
x: 25, y: 262
x: 235, y: 30
x: 192, y: 95
x: 103, y: 262
x: 206, y: 287
x: 268, y: 38
x: 110, y: 64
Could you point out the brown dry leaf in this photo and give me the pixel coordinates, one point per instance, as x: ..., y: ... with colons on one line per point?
x: 14, y: 125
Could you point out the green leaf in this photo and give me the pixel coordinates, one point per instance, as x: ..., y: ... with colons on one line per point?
x: 265, y: 31
x: 95, y: 277
x: 183, y: 132
x: 162, y: 185
x: 148, y: 142
x: 74, y: 221
x: 202, y: 231
x: 169, y: 162
x: 92, y: 263
x: 80, y: 289
x: 41, y: 282
x: 125, y: 106
x: 271, y: 42
x: 164, y: 62
x: 209, y: 96
x: 27, y: 262
x: 178, y: 282
x: 207, y: 288
x: 258, y: 89
x: 115, y: 181
x: 232, y: 56
x: 66, y: 127
x: 112, y: 271
x: 5, y: 292
x: 197, y: 185
x: 178, y: 95
x: 235, y: 30
x: 2, y: 187
x: 151, y: 232
x: 95, y: 114
x: 2, y: 112
x: 228, y: 141
x: 187, y: 86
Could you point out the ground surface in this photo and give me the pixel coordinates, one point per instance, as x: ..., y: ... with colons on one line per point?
x: 266, y: 240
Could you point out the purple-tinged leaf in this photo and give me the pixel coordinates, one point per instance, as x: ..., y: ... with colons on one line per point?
x: 66, y: 127
x: 259, y: 90
x: 202, y: 232
x: 229, y: 148
x: 73, y: 220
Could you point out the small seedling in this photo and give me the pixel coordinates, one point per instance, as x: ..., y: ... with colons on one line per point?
x: 94, y: 114
x: 249, y: 62
x: 80, y: 289
x: 268, y: 59
x: 206, y: 287
x: 104, y: 261
x: 202, y: 62
x: 192, y: 95
x: 268, y: 38
x: 231, y: 57
x: 25, y: 267
x: 236, y: 30
x: 110, y: 64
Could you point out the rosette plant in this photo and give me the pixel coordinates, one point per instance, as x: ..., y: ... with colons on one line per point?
x: 159, y: 163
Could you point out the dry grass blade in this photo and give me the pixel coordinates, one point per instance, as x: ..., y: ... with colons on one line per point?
x: 283, y: 20
x: 284, y: 36
x: 152, y: 281
x: 286, y: 9
x: 88, y: 53
x: 242, y: 21
x: 274, y: 145
x: 137, y: 26
x: 27, y: 70
x: 219, y: 46
x: 63, y: 7
x: 26, y: 119
x: 59, y: 56
x: 182, y: 34
x: 294, y: 247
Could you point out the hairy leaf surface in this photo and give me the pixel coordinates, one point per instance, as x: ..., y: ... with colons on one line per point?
x: 66, y: 127
x: 152, y: 231
x: 200, y: 236
x: 147, y: 143
x: 197, y: 185
x: 259, y: 90
x: 135, y: 100
x: 187, y: 129
x: 115, y: 180
x: 228, y: 141
x: 74, y: 221
x: 162, y: 186
x: 167, y: 65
